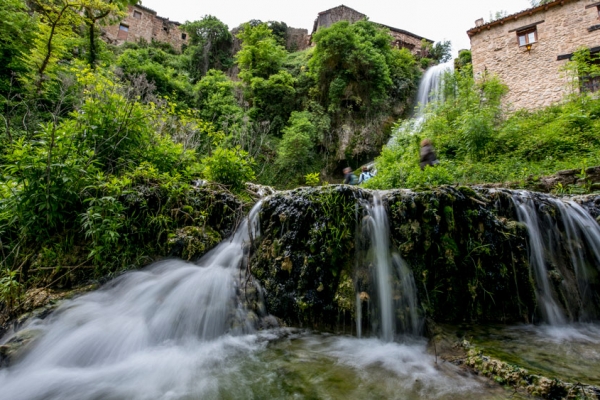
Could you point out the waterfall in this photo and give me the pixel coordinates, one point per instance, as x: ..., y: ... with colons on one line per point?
x: 430, y: 87
x: 140, y: 331
x: 527, y: 214
x: 563, y: 235
x: 388, y: 267
x: 430, y: 90
x: 582, y: 232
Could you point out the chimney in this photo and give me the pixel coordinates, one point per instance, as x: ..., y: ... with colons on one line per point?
x: 479, y: 22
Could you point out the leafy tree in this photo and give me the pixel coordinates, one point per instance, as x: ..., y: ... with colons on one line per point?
x: 16, y: 31
x: 273, y: 99
x: 441, y: 51
x: 216, y: 101
x: 55, y: 34
x: 261, y: 55
x: 164, y: 70
x: 295, y: 152
x: 101, y: 11
x: 350, y: 65
x: 210, y: 46
x: 464, y: 59
x: 279, y: 30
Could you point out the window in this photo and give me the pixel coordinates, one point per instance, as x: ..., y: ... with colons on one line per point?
x: 137, y: 14
x: 123, y: 32
x: 183, y: 36
x: 528, y: 36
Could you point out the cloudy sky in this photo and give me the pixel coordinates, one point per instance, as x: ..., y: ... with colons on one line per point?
x: 434, y: 19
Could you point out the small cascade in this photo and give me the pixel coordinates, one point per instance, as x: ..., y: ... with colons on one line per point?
x: 564, y: 255
x: 394, y: 284
x: 138, y: 331
x: 527, y: 214
x: 430, y: 87
x: 430, y: 90
x: 582, y: 242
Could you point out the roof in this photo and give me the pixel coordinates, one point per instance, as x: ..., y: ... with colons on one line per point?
x: 527, y: 12
x: 144, y: 8
x: 155, y: 14
x: 340, y: 6
x: 391, y: 28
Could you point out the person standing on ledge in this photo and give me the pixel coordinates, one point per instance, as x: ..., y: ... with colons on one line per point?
x: 349, y: 177
x: 365, y: 175
x: 428, y: 156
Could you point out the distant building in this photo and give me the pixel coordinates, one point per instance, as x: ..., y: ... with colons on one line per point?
x: 527, y: 50
x: 144, y: 23
x: 400, y: 37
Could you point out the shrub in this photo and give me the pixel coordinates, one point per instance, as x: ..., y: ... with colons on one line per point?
x: 232, y: 167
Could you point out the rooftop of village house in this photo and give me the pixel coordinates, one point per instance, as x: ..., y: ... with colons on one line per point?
x: 385, y: 26
x: 530, y: 11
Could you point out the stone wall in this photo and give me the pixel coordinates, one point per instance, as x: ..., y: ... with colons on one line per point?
x: 297, y: 39
x: 337, y: 14
x: 402, y: 39
x: 144, y: 23
x: 535, y: 78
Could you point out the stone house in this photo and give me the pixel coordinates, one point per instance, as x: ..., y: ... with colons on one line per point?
x: 529, y: 49
x: 144, y: 23
x: 400, y: 37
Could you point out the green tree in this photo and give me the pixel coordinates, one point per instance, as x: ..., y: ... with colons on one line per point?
x: 58, y: 20
x: 216, y: 100
x: 16, y: 31
x: 261, y: 55
x: 273, y: 99
x: 441, y: 51
x: 104, y: 12
x: 210, y: 46
x: 295, y: 152
x: 350, y: 65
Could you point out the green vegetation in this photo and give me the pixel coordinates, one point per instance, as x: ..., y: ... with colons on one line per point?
x: 478, y: 141
x: 114, y: 156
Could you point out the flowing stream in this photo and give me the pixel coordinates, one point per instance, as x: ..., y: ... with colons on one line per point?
x: 178, y: 330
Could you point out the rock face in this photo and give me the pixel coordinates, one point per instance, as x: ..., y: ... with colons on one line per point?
x: 467, y: 251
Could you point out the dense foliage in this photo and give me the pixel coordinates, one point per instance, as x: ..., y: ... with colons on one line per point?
x: 478, y: 141
x: 114, y: 155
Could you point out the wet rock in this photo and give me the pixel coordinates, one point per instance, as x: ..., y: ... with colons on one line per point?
x: 192, y: 242
x: 17, y: 346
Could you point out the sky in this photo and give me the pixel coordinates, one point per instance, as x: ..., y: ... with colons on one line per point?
x: 433, y: 19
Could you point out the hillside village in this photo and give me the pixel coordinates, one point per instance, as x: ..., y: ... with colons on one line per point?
x: 142, y: 23
x: 527, y: 50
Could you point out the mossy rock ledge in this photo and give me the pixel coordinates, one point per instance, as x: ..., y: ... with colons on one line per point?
x: 465, y: 246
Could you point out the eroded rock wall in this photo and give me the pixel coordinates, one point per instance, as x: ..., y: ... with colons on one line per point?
x: 469, y: 262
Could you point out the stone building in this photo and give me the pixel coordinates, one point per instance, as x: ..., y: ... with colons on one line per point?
x: 528, y: 50
x: 144, y: 23
x: 400, y: 37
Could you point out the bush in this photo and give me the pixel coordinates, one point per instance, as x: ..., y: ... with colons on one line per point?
x: 232, y: 167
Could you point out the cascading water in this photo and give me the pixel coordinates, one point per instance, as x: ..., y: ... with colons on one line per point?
x: 581, y: 233
x: 527, y: 214
x: 430, y: 87
x: 562, y: 235
x: 388, y: 265
x: 430, y: 90
x: 139, y: 331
